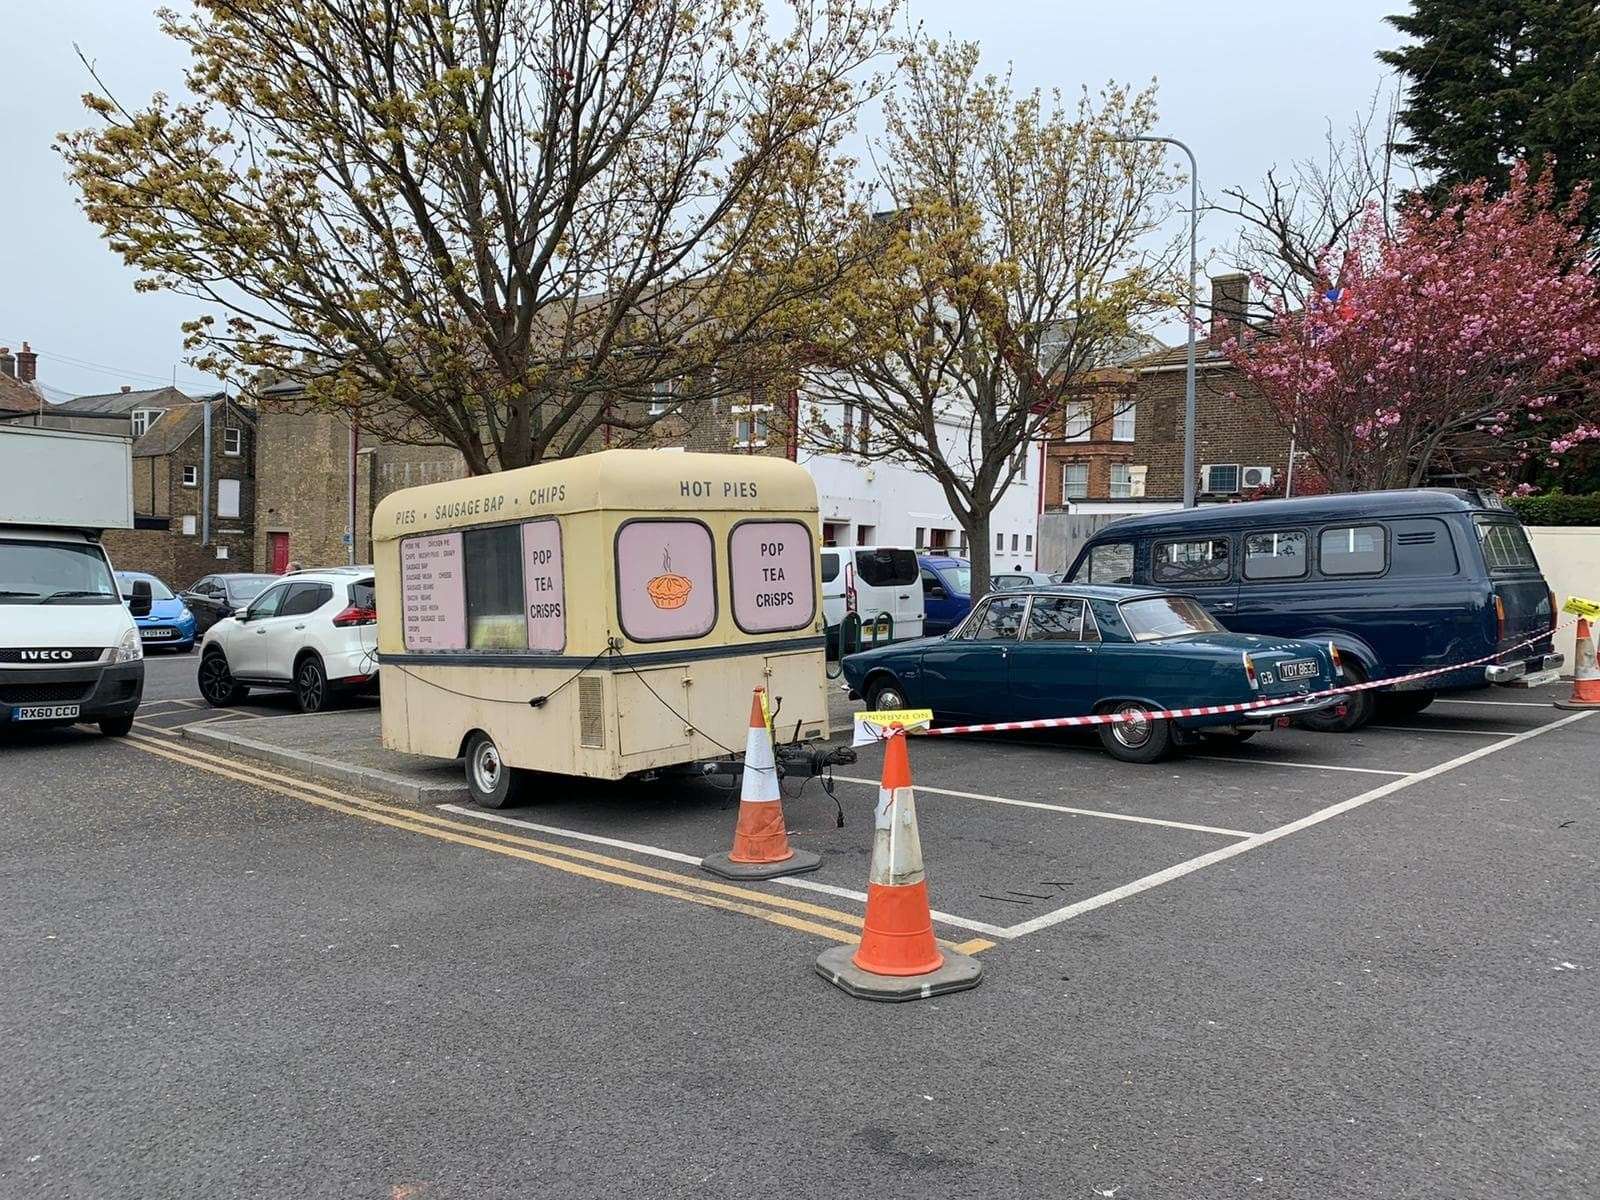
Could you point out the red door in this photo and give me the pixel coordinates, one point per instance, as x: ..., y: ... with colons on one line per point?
x: 278, y: 552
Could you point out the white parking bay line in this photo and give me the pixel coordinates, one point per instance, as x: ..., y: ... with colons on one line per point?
x: 1061, y: 808
x: 1499, y: 733
x: 1278, y: 762
x: 1178, y: 871
x: 1494, y: 703
x: 693, y: 860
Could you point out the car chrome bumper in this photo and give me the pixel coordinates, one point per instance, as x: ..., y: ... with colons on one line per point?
x: 1266, y: 718
x: 1506, y: 672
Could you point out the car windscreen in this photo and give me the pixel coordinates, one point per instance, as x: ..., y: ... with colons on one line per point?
x: 54, y: 572
x: 886, y: 568
x: 958, y: 579
x: 158, y: 590
x: 245, y: 588
x: 1156, y: 617
x: 1505, y: 547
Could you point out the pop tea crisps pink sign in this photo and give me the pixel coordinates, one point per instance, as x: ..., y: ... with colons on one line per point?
x: 773, y: 576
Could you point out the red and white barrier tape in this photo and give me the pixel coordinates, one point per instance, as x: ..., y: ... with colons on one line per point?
x: 1212, y: 710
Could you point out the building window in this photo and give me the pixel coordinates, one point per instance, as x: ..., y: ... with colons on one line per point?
x: 1075, y: 481
x: 1028, y: 543
x: 227, y: 498
x: 918, y: 541
x: 1079, y: 420
x: 1121, y: 481
x: 143, y: 418
x: 233, y: 442
x: 662, y: 391
x: 191, y: 477
x: 1014, y: 541
x: 1123, y: 423
x: 188, y: 527
x: 999, y: 542
x: 750, y: 425
x: 1020, y: 464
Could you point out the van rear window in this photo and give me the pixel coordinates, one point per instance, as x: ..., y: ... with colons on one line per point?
x: 830, y: 567
x: 1203, y: 561
x: 1505, y: 546
x: 1352, y: 550
x: 886, y: 568
x: 1275, y: 555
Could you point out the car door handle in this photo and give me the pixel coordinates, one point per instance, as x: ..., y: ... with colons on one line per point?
x: 299, y: 626
x: 905, y: 595
x: 1228, y: 604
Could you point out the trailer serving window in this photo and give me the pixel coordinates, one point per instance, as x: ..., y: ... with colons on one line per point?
x: 497, y: 588
x: 666, y: 579
x: 770, y: 576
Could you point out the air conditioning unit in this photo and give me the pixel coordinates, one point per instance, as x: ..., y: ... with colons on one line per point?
x: 1220, y: 479
x: 1257, y: 477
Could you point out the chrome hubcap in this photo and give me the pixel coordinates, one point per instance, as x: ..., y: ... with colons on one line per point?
x: 486, y: 767
x: 889, y: 698
x: 1135, y: 732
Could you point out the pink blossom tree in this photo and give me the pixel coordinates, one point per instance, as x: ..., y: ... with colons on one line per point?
x: 1466, y: 342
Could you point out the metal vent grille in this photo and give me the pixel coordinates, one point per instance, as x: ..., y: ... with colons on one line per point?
x: 1424, y: 538
x: 591, y: 712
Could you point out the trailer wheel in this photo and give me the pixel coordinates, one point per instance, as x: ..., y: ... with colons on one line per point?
x: 490, y: 781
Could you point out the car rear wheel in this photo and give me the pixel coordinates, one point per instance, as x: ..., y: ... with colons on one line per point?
x: 217, y: 685
x: 490, y: 782
x: 885, y: 694
x: 1137, y: 739
x: 1358, y: 707
x: 311, y: 685
x: 1405, y: 704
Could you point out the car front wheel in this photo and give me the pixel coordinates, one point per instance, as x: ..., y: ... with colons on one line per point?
x: 884, y: 695
x: 1137, y: 738
x: 217, y: 685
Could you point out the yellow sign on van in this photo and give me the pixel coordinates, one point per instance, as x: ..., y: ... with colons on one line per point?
x: 870, y: 726
x: 1579, y: 607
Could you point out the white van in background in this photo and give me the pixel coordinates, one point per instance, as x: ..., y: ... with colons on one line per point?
x: 870, y: 580
x: 69, y: 649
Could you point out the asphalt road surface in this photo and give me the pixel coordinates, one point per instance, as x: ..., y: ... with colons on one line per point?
x: 1337, y: 968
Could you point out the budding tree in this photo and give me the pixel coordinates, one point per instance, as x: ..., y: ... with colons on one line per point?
x: 1465, y: 343
x: 492, y: 224
x: 1014, y: 258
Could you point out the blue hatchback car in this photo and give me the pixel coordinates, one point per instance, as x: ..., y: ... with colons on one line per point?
x: 170, y: 623
x: 1068, y: 651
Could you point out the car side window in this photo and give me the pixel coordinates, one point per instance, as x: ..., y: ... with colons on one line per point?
x: 266, y: 604
x: 1109, y: 563
x: 1352, y: 550
x: 1000, y: 621
x: 305, y: 598
x: 1278, y: 555
x: 1055, y: 619
x: 830, y: 567
x: 1204, y: 560
x: 930, y: 584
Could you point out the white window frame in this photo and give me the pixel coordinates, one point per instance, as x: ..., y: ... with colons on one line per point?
x: 1066, y: 481
x: 191, y: 477
x: 1121, y: 481
x: 662, y: 387
x: 1125, y: 422
x: 142, y: 419
x: 756, y: 417
x: 1077, y: 415
x: 233, y: 441
x: 230, y: 499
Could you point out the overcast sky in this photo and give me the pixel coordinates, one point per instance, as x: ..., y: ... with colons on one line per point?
x: 1247, y: 83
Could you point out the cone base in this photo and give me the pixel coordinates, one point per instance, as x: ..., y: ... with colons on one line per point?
x: 797, y: 863
x: 1576, y: 704
x: 957, y: 973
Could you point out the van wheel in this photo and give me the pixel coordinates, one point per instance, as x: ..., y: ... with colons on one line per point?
x: 1139, y: 740
x: 1405, y: 704
x: 116, y: 726
x: 491, y: 783
x: 1358, y: 707
x: 885, y: 694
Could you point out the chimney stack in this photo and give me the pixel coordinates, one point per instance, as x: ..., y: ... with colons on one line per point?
x: 1230, y: 305
x: 27, y: 363
x: 126, y: 389
x: 8, y: 364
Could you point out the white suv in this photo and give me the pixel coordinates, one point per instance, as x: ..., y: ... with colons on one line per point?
x: 314, y: 633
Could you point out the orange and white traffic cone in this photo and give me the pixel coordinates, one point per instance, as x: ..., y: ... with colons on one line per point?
x: 897, y: 958
x: 1585, y: 674
x: 761, y: 847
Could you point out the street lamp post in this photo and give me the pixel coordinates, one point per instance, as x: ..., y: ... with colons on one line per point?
x: 1188, y: 379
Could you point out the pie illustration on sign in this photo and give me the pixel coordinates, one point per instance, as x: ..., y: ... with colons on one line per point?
x: 668, y: 590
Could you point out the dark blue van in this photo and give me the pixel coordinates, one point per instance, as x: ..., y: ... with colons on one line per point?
x: 946, y: 592
x: 1400, y: 581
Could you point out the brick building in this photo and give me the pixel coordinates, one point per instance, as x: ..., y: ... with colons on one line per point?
x: 1121, y: 439
x: 311, y: 464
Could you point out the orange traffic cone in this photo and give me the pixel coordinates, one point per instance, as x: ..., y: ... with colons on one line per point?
x: 898, y: 958
x: 1585, y: 674
x: 761, y: 847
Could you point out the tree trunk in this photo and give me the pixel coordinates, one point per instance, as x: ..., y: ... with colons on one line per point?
x: 977, y: 527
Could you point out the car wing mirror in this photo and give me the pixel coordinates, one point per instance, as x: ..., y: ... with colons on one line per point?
x: 241, y: 615
x: 139, y: 601
x: 935, y: 592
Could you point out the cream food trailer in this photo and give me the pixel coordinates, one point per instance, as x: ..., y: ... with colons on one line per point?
x: 598, y: 616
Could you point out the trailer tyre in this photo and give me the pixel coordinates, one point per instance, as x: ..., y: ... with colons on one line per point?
x: 491, y: 783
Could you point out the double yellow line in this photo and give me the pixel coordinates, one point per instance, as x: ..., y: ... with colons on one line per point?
x: 777, y: 910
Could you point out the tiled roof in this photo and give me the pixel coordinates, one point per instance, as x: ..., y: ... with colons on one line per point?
x: 1176, y: 356
x: 179, y: 423
x: 121, y: 404
x: 17, y: 397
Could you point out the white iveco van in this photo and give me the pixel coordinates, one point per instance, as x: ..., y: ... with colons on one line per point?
x: 69, y: 648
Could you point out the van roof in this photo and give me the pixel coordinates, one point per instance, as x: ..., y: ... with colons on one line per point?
x: 1301, y: 510
x: 627, y: 480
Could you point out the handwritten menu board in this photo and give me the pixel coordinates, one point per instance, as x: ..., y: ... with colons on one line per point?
x: 434, y: 600
x: 543, y: 585
x: 772, y: 574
